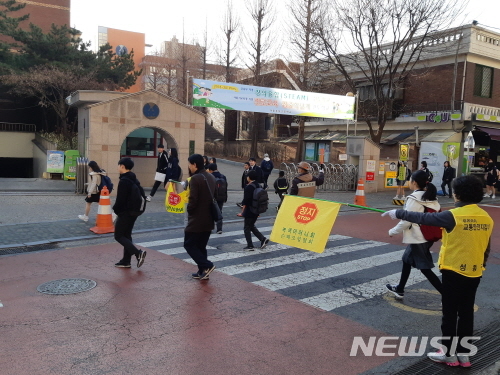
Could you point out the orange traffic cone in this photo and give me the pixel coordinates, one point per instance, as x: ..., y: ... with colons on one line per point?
x: 104, y: 221
x: 360, y: 199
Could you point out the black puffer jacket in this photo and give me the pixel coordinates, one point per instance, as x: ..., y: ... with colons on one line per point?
x: 121, y: 205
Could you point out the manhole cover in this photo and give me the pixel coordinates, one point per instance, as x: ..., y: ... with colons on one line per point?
x: 423, y: 300
x: 66, y: 286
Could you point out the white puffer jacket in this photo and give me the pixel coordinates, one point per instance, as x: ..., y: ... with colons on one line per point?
x: 95, y: 181
x: 411, y: 232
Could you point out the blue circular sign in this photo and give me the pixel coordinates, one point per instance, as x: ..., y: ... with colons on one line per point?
x: 121, y: 50
x: 151, y: 111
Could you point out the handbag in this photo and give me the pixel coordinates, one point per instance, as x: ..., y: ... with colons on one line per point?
x: 160, y: 177
x: 214, y: 206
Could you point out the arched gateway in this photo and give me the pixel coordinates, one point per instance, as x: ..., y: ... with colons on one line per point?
x: 115, y: 124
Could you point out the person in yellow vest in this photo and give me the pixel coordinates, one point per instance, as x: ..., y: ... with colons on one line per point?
x: 305, y: 183
x: 464, y: 251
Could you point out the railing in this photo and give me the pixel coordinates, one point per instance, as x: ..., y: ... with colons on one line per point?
x: 338, y: 177
x: 81, y: 175
x: 17, y: 127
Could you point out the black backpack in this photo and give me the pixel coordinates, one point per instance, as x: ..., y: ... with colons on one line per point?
x: 282, y: 185
x: 136, y: 200
x: 430, y: 176
x: 260, y: 201
x: 105, y: 181
x: 220, y: 189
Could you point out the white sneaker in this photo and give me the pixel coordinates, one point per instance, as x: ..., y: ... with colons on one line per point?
x: 486, y: 195
x: 83, y: 217
x: 493, y: 196
x: 396, y: 197
x: 148, y: 198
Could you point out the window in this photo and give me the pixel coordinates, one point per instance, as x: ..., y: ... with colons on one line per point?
x: 269, y: 123
x: 483, y: 81
x: 142, y: 142
x: 245, y: 124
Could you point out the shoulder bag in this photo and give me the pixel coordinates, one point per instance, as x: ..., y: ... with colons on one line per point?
x: 214, y: 206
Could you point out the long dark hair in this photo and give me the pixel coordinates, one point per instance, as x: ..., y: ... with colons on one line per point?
x: 173, y: 153
x: 420, y: 178
x: 94, y: 166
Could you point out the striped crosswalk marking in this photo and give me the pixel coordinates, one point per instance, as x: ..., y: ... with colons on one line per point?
x: 276, y: 259
x: 181, y: 239
x: 296, y: 258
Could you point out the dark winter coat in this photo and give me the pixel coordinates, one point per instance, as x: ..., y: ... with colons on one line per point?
x: 121, y: 205
x: 448, y: 174
x: 260, y: 174
x: 248, y: 199
x: 198, y: 208
x: 162, y: 163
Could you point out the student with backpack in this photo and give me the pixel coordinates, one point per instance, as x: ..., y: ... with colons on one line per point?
x: 267, y: 167
x: 93, y: 188
x: 254, y: 204
x: 428, y: 173
x: 220, y: 191
x: 281, y: 187
x: 417, y: 254
x: 130, y: 203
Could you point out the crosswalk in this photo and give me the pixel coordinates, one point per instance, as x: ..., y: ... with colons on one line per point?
x: 349, y: 271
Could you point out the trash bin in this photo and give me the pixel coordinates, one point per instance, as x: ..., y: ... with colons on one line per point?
x: 70, y: 157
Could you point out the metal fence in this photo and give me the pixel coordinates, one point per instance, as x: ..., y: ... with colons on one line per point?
x: 338, y: 177
x: 82, y: 173
x: 17, y: 127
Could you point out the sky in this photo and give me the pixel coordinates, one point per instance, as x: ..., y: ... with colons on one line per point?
x: 160, y: 20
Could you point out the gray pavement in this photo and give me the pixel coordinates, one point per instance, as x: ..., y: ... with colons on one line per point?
x: 36, y: 211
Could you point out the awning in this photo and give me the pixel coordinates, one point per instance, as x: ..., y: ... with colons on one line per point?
x: 443, y: 136
x: 396, y: 138
x: 493, y: 133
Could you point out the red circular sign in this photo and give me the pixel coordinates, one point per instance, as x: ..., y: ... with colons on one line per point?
x: 173, y: 199
x: 306, y: 213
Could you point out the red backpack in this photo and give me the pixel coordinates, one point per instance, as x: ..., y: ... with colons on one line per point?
x: 431, y: 233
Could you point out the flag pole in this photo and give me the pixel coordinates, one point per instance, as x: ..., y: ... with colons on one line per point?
x: 348, y: 204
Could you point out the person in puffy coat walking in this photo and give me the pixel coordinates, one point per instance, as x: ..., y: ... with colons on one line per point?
x: 417, y: 253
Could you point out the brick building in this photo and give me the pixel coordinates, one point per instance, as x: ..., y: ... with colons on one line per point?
x: 454, y: 89
x: 44, y: 13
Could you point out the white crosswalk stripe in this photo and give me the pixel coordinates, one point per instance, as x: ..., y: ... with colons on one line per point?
x: 239, y: 262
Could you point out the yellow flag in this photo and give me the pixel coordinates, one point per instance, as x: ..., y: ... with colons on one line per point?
x: 305, y: 223
x: 174, y: 202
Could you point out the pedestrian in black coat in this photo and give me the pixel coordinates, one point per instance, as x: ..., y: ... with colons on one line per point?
x: 448, y: 176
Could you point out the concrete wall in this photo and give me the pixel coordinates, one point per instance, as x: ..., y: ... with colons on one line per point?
x: 16, y: 144
x: 39, y: 162
x: 112, y: 121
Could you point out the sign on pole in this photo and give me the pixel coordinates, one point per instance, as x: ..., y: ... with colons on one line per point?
x: 404, y: 151
x: 238, y: 97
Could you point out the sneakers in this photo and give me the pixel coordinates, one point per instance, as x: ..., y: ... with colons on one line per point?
x: 493, y: 196
x: 396, y: 197
x: 239, y: 205
x: 140, y: 258
x: 219, y: 232
x: 486, y: 195
x: 83, y: 217
x: 463, y: 360
x: 393, y: 289
x: 204, y: 274
x: 148, y: 198
x: 440, y: 357
x: 120, y: 264
x: 197, y: 275
x: 251, y: 248
x: 264, y: 243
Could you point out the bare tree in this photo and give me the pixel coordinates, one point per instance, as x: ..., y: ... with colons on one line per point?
x: 379, y: 42
x: 160, y: 73
x: 304, y: 17
x: 260, y: 42
x: 227, y: 55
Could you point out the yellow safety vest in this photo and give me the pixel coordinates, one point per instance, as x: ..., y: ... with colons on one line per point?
x: 462, y: 249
